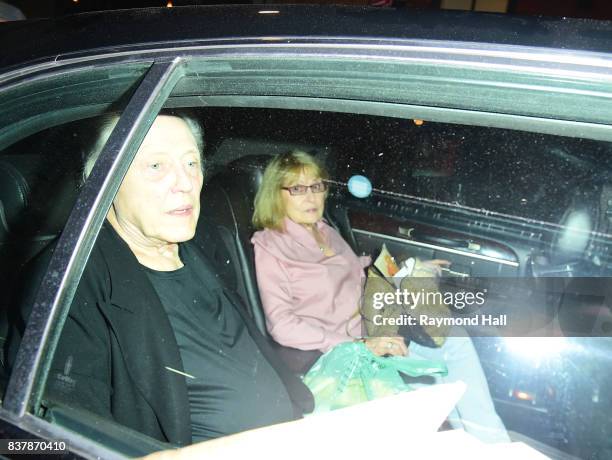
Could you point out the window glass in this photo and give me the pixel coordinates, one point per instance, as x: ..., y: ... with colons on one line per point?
x: 41, y: 177
x: 510, y: 172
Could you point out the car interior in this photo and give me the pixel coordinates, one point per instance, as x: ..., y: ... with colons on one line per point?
x: 484, y: 146
x: 439, y: 220
x: 435, y: 219
x: 28, y: 226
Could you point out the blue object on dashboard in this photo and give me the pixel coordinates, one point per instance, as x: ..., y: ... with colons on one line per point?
x: 360, y: 186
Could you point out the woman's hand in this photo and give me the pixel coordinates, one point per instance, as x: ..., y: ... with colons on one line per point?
x: 382, y: 346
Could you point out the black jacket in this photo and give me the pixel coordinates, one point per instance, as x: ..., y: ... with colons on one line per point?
x: 116, y: 345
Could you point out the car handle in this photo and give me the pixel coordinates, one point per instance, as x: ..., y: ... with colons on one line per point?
x: 441, y: 241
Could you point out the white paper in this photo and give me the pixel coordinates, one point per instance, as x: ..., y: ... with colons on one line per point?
x: 383, y: 427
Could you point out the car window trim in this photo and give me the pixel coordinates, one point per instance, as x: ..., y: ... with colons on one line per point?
x: 61, y: 279
x: 567, y: 128
x: 206, y: 61
x: 542, y: 56
x: 70, y: 79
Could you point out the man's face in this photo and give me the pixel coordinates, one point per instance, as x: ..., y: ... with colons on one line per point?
x: 304, y: 209
x: 159, y: 198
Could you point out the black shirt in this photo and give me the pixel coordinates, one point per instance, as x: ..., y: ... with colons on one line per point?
x: 231, y: 386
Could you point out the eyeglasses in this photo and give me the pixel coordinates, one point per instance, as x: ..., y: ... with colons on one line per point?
x: 294, y: 190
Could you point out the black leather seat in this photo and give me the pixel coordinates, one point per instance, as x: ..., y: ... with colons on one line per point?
x: 227, y: 205
x: 35, y: 202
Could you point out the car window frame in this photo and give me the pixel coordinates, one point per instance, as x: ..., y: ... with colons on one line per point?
x: 59, y: 283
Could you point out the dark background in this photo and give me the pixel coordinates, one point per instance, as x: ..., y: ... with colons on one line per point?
x: 597, y: 9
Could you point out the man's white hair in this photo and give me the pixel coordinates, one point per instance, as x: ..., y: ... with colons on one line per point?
x: 108, y: 123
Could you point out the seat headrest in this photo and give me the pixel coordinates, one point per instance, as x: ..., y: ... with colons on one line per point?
x: 14, y: 195
x: 248, y: 171
x: 35, y: 199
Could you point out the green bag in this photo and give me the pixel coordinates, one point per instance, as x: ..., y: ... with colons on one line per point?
x: 350, y: 374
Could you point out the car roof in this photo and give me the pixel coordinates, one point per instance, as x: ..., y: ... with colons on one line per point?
x: 36, y: 41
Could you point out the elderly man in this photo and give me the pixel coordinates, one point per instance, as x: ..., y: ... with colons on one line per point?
x: 154, y: 340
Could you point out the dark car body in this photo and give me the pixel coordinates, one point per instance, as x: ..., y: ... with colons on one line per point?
x: 520, y: 109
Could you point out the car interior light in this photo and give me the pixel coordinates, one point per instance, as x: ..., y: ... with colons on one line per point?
x: 269, y: 12
x: 169, y: 4
x: 523, y: 395
x: 418, y: 122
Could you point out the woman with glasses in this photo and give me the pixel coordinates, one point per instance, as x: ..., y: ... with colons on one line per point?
x: 310, y: 279
x: 311, y: 283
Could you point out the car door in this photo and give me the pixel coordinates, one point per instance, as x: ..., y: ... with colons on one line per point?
x: 428, y: 124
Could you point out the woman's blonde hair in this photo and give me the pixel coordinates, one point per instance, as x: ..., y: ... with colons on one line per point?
x: 283, y: 171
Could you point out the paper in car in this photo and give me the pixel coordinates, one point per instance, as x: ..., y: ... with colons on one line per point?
x: 406, y: 416
x: 385, y: 263
x: 389, y: 268
x: 418, y: 412
x: 409, y: 419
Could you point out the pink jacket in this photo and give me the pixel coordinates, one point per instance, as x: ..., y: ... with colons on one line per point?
x: 311, y: 301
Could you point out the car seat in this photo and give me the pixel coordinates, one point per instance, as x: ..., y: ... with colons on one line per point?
x: 226, y: 209
x: 34, y: 205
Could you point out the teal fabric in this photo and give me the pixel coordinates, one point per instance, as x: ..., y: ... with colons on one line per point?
x: 350, y: 373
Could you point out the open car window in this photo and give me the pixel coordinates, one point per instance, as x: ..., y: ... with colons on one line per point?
x: 45, y: 132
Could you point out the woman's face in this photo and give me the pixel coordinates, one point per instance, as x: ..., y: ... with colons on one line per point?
x: 159, y: 199
x: 304, y: 209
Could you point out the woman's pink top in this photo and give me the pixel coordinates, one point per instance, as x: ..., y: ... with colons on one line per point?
x: 311, y: 301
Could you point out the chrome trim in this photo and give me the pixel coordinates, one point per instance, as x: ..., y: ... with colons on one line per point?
x: 425, y: 46
x: 438, y: 248
x: 486, y: 55
x: 76, y: 241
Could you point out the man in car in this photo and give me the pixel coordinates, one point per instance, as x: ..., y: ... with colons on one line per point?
x: 154, y: 339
